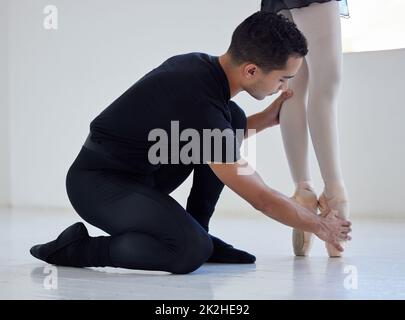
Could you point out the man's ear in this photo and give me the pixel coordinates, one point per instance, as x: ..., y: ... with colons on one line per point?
x: 251, y: 69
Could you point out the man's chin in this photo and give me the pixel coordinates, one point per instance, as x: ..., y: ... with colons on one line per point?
x: 257, y: 97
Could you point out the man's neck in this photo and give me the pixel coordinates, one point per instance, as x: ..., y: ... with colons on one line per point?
x: 231, y: 74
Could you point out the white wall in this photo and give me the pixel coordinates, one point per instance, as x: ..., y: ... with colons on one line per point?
x: 61, y: 79
x: 4, y: 106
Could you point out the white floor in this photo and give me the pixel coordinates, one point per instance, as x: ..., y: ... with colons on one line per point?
x: 373, y: 266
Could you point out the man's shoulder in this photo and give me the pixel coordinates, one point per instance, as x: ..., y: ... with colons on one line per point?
x: 193, y: 71
x: 192, y: 57
x: 185, y: 70
x: 194, y: 63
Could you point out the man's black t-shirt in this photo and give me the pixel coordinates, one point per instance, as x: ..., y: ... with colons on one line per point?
x: 190, y: 88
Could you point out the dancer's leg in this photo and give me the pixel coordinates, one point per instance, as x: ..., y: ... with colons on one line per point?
x: 294, y: 131
x: 294, y: 125
x: 320, y: 23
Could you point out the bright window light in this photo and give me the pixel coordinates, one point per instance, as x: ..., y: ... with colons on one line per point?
x: 374, y: 25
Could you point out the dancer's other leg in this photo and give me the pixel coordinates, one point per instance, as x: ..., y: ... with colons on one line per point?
x: 320, y: 23
x: 294, y: 131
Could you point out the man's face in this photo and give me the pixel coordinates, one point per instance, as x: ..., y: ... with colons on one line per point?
x: 260, y: 85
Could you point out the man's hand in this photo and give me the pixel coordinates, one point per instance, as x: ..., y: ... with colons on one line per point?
x: 272, y: 112
x: 334, y: 229
x: 279, y: 207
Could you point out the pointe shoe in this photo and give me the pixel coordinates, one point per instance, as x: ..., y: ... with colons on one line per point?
x: 302, y: 240
x: 341, y: 205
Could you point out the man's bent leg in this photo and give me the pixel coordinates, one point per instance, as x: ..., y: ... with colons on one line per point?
x: 204, y: 196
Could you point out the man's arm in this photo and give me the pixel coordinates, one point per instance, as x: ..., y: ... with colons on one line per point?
x: 277, y: 206
x: 267, y: 118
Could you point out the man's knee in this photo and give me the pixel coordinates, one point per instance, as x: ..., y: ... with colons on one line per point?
x: 197, y: 249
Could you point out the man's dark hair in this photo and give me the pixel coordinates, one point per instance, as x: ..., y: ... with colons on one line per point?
x: 267, y: 39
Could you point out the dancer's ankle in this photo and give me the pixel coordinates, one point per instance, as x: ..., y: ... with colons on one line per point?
x: 335, y: 189
x: 304, y: 185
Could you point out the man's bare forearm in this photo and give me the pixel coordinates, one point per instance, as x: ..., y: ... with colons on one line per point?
x: 258, y: 122
x: 328, y: 227
x: 281, y: 208
x: 268, y: 117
